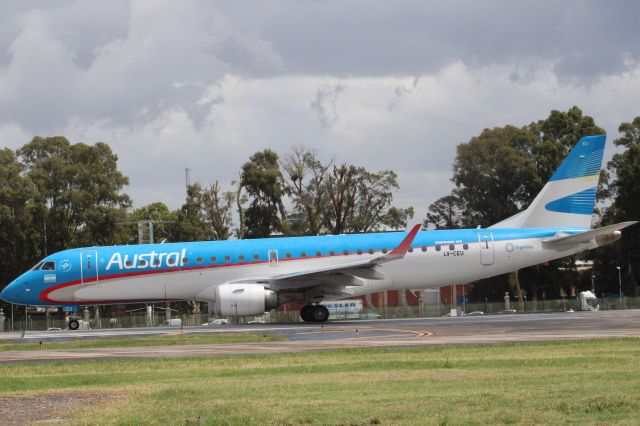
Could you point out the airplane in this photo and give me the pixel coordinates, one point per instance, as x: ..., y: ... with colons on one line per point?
x: 250, y: 277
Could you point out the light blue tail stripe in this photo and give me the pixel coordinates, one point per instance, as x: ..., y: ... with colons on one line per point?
x: 585, y: 159
x: 578, y: 203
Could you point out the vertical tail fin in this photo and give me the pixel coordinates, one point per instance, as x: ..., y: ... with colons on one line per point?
x: 568, y: 198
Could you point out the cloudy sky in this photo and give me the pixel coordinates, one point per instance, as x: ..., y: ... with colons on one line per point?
x: 387, y: 85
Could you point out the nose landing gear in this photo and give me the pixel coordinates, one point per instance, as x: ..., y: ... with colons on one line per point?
x: 74, y: 324
x: 314, y: 313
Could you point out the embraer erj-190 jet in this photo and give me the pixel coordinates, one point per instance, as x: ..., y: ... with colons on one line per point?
x: 249, y: 277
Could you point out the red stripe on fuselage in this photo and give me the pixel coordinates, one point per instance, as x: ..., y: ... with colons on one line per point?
x: 44, y: 295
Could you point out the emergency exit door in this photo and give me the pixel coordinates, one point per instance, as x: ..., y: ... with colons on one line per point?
x: 486, y: 247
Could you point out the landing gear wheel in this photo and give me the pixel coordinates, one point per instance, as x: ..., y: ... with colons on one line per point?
x: 74, y: 324
x: 306, y: 313
x: 320, y: 313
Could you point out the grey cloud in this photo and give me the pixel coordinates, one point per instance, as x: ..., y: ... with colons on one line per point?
x: 115, y: 61
x: 124, y: 62
x: 324, y: 104
x: 400, y: 92
x: 588, y: 38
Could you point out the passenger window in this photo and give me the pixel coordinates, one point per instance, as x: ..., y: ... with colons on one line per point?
x: 49, y: 266
x: 370, y: 251
x: 332, y: 253
x: 452, y: 247
x: 241, y: 257
x: 199, y: 260
x: 287, y: 255
x: 359, y: 251
x: 410, y: 249
x: 156, y: 262
x: 185, y: 260
x: 127, y: 263
x: 256, y: 256
x: 213, y: 259
x: 465, y: 246
x: 303, y: 254
x: 318, y: 253
x: 424, y: 248
x: 345, y: 252
x: 143, y: 263
x: 384, y: 251
x: 227, y: 258
x: 438, y: 248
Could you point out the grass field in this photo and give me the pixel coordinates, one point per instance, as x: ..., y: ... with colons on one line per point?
x: 131, y: 341
x: 588, y: 382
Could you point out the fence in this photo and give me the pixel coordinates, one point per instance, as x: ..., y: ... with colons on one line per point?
x: 40, y: 322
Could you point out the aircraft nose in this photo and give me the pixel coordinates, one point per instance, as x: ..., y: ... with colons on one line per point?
x: 6, y: 293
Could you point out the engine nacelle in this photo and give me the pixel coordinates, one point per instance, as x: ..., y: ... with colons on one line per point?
x: 244, y: 299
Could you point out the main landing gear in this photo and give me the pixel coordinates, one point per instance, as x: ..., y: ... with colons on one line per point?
x: 314, y: 313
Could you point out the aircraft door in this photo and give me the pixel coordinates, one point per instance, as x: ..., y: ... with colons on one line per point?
x: 486, y: 247
x: 89, y: 267
x: 273, y: 257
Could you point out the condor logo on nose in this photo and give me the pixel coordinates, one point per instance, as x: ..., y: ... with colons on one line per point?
x: 65, y: 265
x: 147, y: 260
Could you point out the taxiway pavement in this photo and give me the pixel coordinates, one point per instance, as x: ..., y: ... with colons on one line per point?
x: 487, y: 329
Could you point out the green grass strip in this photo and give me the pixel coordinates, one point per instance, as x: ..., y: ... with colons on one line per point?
x: 136, y: 341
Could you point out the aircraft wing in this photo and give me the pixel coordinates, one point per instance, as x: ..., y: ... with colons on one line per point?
x: 598, y: 236
x: 395, y: 254
x: 338, y: 275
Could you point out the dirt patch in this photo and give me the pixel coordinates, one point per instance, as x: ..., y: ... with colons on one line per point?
x: 48, y: 408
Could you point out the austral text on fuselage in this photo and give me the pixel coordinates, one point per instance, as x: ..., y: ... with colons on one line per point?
x: 152, y: 259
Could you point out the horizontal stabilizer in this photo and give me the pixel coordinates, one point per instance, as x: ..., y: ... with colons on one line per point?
x: 598, y: 236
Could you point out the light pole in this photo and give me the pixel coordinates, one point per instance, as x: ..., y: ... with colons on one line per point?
x: 620, y: 285
x: 593, y: 285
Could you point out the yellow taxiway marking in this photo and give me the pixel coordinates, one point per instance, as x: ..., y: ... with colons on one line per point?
x: 358, y: 330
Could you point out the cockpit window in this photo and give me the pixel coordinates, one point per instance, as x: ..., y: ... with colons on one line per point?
x: 49, y: 266
x: 38, y: 265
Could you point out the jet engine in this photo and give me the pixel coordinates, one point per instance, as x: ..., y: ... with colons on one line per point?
x: 244, y: 299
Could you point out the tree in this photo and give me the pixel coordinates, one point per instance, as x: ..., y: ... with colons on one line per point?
x: 18, y: 235
x: 445, y: 213
x: 556, y: 136
x: 161, y: 217
x: 373, y: 196
x: 625, y: 191
x: 397, y: 218
x: 217, y: 211
x: 498, y: 173
x: 340, y: 198
x: 78, y: 197
x: 263, y: 183
x: 341, y: 187
x: 494, y: 175
x: 305, y: 182
x: 191, y: 225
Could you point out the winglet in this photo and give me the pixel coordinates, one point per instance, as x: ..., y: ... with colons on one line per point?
x: 402, y: 248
